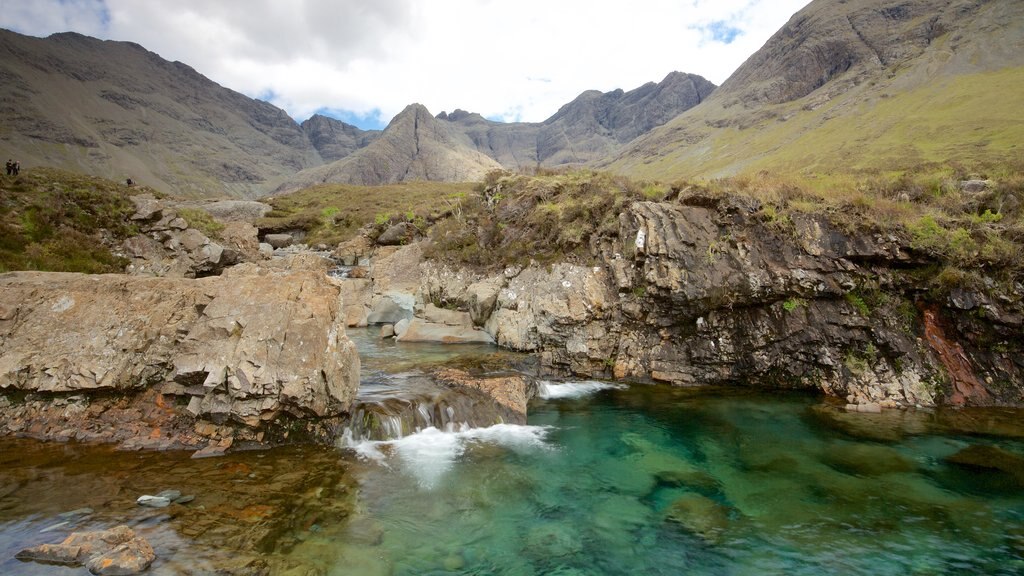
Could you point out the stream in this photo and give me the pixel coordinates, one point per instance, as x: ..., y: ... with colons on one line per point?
x: 603, y: 479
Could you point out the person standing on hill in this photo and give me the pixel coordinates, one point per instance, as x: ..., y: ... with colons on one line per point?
x: 17, y: 167
x: 10, y: 167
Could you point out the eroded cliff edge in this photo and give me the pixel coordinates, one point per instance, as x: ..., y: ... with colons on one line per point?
x: 707, y: 289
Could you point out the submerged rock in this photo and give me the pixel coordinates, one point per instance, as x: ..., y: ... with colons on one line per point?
x: 700, y: 515
x: 991, y: 458
x: 118, y: 551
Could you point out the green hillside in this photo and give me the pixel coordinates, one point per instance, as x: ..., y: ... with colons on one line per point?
x: 940, y: 82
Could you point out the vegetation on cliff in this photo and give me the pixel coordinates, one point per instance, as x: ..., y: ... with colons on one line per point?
x: 331, y: 213
x: 959, y: 219
x: 60, y: 221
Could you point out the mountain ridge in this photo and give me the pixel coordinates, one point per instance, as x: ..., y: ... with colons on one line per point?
x: 117, y: 110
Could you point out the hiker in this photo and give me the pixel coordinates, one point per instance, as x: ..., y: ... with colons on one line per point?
x: 10, y: 167
x: 129, y: 182
x: 17, y: 167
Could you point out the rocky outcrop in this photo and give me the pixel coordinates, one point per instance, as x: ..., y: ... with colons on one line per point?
x: 512, y: 392
x: 169, y: 245
x: 711, y: 289
x: 243, y: 350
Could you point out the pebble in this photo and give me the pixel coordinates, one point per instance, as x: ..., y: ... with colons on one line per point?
x: 153, y: 501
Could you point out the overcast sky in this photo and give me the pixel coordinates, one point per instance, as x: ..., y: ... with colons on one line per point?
x: 365, y: 60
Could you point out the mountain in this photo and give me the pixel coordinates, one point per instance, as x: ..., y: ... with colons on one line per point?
x: 334, y: 139
x: 414, y: 146
x: 850, y: 85
x: 593, y: 126
x: 116, y: 110
x: 465, y: 145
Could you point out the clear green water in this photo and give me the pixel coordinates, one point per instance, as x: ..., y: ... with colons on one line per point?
x: 643, y: 480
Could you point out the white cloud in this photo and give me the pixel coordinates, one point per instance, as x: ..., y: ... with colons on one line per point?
x: 515, y: 60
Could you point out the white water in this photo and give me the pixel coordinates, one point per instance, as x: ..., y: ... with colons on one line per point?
x: 551, y: 390
x: 430, y: 453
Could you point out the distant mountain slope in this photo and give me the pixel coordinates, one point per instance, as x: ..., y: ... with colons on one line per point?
x: 414, y: 146
x: 593, y: 126
x: 335, y: 139
x: 858, y: 84
x: 116, y: 110
x: 465, y: 145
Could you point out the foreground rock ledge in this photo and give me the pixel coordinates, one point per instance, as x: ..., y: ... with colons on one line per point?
x: 187, y: 356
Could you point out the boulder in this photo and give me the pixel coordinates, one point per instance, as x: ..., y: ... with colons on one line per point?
x: 247, y: 346
x: 512, y: 392
x: 354, y: 251
x: 266, y: 250
x: 398, y: 234
x: 390, y: 308
x: 699, y: 515
x: 481, y: 297
x: 279, y: 240
x: 420, y: 330
x: 436, y: 315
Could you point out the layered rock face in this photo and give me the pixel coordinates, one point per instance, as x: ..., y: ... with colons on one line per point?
x: 709, y: 290
x: 243, y: 349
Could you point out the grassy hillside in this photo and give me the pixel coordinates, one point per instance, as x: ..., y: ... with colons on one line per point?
x: 847, y: 87
x: 972, y: 120
x: 60, y: 221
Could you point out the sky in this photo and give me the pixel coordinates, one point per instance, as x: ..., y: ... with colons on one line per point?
x: 363, y: 61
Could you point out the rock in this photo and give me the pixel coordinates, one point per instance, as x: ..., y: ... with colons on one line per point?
x: 131, y: 557
x: 146, y: 208
x: 868, y: 408
x: 153, y: 501
x: 513, y: 392
x: 391, y: 307
x: 867, y: 459
x: 401, y: 326
x: 171, y: 495
x: 118, y: 551
x: 279, y: 240
x: 419, y: 330
x: 973, y: 186
x: 387, y: 331
x: 266, y: 250
x: 354, y: 251
x: 249, y: 346
x: 243, y: 238
x: 553, y: 540
x: 700, y: 515
x: 398, y: 235
x: 435, y: 315
x: 991, y: 458
x: 356, y: 293
x: 481, y: 297
x: 185, y: 499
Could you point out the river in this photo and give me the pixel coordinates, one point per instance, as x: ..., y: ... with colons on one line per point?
x: 603, y: 479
